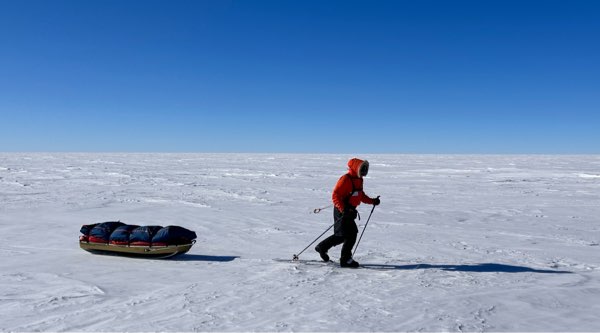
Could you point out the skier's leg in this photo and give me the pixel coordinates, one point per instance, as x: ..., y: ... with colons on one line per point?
x: 350, y: 233
x: 349, y: 242
x: 327, y: 244
x: 336, y: 239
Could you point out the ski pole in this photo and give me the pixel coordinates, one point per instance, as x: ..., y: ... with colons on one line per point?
x: 365, y: 228
x: 295, y: 257
x: 318, y: 210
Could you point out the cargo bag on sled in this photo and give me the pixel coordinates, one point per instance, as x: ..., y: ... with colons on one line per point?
x: 173, y: 235
x: 121, y: 235
x: 132, y: 240
x: 102, y: 231
x: 142, y: 236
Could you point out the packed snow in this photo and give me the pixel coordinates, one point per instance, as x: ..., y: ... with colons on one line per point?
x: 459, y: 243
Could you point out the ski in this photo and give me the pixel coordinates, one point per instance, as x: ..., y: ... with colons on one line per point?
x: 307, y: 261
x: 315, y: 262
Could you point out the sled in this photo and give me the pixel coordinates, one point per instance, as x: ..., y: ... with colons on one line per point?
x: 157, y: 252
x: 118, y: 238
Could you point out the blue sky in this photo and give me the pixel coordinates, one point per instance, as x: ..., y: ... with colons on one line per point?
x: 300, y: 76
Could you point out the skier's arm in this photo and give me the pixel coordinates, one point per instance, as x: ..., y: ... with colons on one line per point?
x: 366, y: 199
x: 371, y: 201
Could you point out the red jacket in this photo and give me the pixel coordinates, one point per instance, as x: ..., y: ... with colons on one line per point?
x: 349, y: 188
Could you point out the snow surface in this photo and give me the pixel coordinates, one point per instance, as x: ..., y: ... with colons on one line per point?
x: 460, y: 243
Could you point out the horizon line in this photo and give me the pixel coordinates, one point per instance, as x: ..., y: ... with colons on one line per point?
x: 303, y: 153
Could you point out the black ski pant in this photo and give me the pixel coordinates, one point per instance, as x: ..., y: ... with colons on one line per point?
x: 345, y: 231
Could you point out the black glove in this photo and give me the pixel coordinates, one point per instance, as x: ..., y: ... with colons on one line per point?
x: 376, y: 201
x: 350, y: 214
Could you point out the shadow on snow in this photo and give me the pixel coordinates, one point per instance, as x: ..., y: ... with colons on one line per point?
x: 198, y: 257
x: 479, y: 268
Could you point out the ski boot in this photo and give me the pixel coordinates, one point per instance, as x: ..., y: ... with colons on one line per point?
x: 349, y: 263
x: 322, y: 253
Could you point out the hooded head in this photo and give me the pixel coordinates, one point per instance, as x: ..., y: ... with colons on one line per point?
x: 358, y: 167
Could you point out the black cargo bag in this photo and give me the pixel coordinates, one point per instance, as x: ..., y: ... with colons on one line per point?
x: 142, y: 236
x: 101, y: 232
x: 173, y: 235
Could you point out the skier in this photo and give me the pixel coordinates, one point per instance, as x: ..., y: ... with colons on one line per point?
x: 347, y: 195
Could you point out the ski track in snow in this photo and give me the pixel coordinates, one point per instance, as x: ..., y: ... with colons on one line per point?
x: 460, y: 243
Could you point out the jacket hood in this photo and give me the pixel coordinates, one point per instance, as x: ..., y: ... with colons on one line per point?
x: 354, y: 165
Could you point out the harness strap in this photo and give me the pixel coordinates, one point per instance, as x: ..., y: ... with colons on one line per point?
x: 353, y: 188
x: 351, y: 193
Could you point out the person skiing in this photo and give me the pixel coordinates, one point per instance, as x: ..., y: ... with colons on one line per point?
x: 347, y: 195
